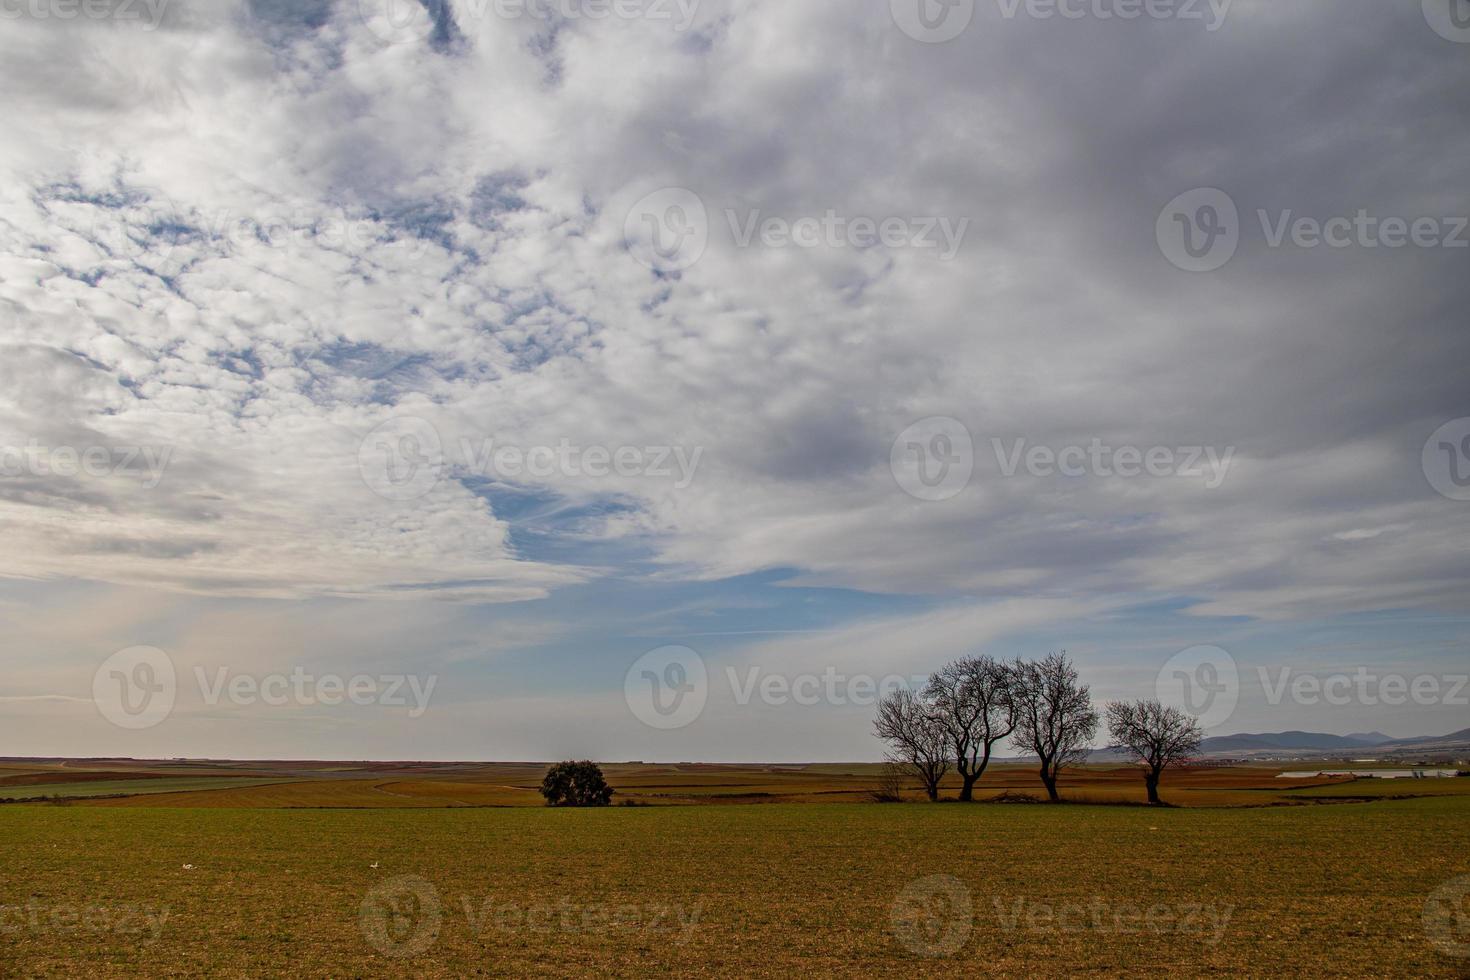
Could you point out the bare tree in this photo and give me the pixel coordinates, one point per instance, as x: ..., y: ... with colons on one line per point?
x: 971, y: 699
x: 1054, y: 715
x: 889, y: 788
x: 915, y: 738
x: 1155, y: 735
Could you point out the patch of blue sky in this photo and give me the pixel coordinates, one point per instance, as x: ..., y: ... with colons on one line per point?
x: 635, y: 614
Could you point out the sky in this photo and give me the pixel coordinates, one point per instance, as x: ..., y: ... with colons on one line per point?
x: 659, y: 379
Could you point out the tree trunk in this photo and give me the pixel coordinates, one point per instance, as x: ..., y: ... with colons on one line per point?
x: 1051, y: 785
x: 967, y: 790
x: 1151, y: 780
x: 931, y: 788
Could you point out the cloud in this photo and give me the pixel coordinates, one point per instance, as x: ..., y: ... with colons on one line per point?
x: 254, y: 235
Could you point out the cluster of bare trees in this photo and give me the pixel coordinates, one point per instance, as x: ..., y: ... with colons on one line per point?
x: 972, y: 705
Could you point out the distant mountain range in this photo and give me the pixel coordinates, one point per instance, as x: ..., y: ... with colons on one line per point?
x: 1311, y: 745
x: 1376, y: 743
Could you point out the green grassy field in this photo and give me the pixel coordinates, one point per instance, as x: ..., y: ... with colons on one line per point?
x: 732, y: 890
x: 128, y: 787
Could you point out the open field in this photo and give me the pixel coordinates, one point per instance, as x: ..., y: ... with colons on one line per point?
x: 235, y: 869
x: 83, y: 789
x: 731, y: 890
x: 124, y: 783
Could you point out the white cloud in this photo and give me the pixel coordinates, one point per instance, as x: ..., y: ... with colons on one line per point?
x: 255, y: 234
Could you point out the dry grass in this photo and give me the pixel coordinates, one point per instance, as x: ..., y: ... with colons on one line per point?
x: 515, y: 784
x: 762, y: 890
